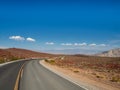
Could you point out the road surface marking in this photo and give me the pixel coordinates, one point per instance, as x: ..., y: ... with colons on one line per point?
x: 18, y: 78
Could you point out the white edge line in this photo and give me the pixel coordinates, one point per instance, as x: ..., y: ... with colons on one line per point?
x: 63, y: 76
x: 2, y: 64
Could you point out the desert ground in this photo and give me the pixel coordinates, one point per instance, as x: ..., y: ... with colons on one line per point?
x: 103, y: 72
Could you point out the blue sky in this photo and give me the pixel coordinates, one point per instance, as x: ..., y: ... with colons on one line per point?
x: 88, y: 26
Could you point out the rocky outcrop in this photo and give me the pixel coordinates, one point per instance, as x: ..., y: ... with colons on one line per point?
x: 111, y: 53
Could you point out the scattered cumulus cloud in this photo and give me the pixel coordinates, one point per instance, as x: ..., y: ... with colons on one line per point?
x: 30, y: 39
x: 80, y: 44
x: 49, y: 43
x: 20, y: 38
x: 93, y: 44
x: 76, y: 44
x: 66, y: 44
x: 17, y: 38
x: 103, y: 45
x: 83, y: 44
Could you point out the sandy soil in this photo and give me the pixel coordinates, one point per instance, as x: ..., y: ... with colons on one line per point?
x: 82, y: 77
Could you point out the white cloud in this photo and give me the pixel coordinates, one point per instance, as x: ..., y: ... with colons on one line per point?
x: 18, y: 38
x: 76, y: 44
x: 30, y: 39
x: 103, y: 45
x: 49, y: 43
x: 80, y: 44
x: 93, y: 44
x: 83, y: 44
x: 66, y: 44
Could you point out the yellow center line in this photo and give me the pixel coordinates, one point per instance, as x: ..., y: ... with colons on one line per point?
x: 18, y: 78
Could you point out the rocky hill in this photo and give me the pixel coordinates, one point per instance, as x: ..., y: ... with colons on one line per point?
x: 111, y: 53
x: 16, y: 53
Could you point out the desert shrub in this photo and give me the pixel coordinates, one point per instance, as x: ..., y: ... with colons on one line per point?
x: 46, y: 60
x: 2, y: 61
x: 99, y: 76
x: 52, y: 61
x: 115, y: 79
x: 76, y: 71
x: 14, y: 58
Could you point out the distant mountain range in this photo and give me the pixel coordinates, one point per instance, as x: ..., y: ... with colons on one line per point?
x: 17, y: 53
x: 110, y: 53
x: 72, y: 51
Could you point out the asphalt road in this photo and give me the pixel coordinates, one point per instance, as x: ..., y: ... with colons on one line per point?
x: 8, y: 75
x: 36, y: 77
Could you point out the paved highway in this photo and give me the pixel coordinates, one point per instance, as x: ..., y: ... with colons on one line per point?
x: 8, y: 75
x: 36, y: 77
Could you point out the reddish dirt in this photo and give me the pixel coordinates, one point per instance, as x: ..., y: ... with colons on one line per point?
x: 15, y: 53
x: 101, y: 69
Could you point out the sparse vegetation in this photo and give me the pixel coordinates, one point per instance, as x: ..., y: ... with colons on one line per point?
x: 101, y: 68
x: 98, y: 76
x: 51, y: 61
x: 2, y: 61
x: 46, y: 60
x: 115, y: 79
x: 12, y: 54
x: 76, y: 71
x: 100, y: 64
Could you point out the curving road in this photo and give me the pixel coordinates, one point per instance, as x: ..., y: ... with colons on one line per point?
x: 8, y: 75
x: 34, y: 77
